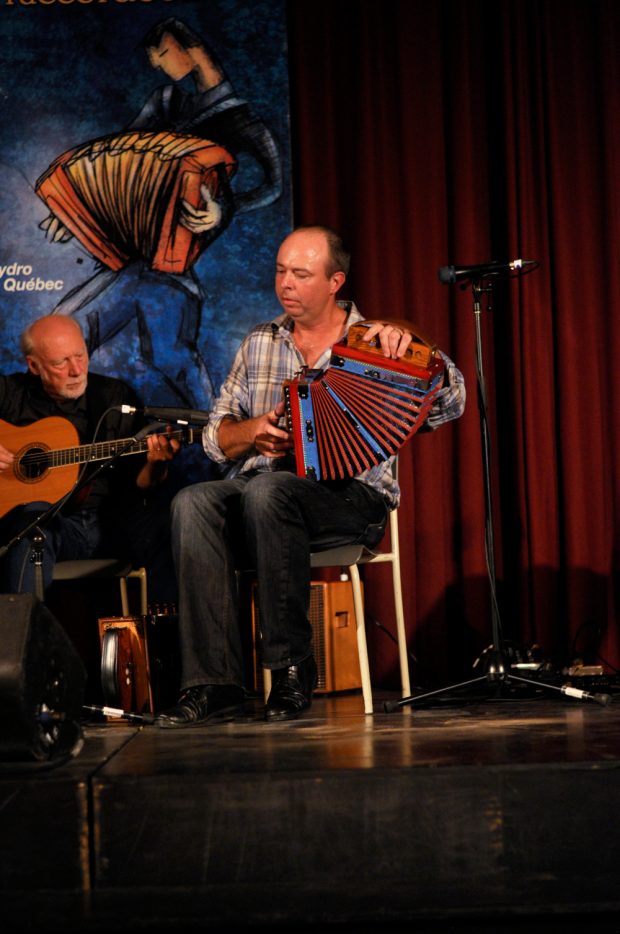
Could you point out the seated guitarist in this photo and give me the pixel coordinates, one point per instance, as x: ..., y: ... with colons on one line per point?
x: 123, y: 513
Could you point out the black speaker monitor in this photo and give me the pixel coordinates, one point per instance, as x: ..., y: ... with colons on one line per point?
x: 42, y: 683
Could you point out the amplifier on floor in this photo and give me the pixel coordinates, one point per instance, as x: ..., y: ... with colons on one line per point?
x: 332, y: 616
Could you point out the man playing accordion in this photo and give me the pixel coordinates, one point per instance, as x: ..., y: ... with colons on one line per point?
x: 262, y: 514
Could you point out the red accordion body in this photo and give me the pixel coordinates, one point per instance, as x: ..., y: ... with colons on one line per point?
x: 120, y: 196
x: 362, y: 408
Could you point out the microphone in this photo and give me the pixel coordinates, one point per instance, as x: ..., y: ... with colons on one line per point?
x: 177, y: 416
x: 449, y: 274
x: 118, y: 712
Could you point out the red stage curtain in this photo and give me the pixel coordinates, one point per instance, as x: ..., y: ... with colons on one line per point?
x: 433, y: 133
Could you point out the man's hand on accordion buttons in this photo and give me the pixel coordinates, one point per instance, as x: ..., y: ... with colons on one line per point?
x: 55, y: 232
x: 200, y: 220
x: 394, y: 340
x: 270, y: 440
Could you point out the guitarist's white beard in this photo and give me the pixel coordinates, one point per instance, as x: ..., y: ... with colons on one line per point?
x: 74, y: 388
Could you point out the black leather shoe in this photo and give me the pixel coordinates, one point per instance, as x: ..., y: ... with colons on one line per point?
x: 291, y: 690
x: 202, y: 703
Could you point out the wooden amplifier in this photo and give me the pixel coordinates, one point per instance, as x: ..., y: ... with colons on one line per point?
x: 332, y: 616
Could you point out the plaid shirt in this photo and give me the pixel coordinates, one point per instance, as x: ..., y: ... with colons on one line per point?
x: 266, y: 358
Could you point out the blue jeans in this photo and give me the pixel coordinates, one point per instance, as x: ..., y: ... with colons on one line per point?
x: 268, y: 522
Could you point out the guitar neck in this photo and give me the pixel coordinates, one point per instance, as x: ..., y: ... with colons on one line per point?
x: 52, y: 443
x: 104, y: 450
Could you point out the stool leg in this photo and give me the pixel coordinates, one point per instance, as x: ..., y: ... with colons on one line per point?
x: 403, y: 654
x: 124, y: 596
x: 139, y: 573
x: 266, y: 683
x: 362, y: 646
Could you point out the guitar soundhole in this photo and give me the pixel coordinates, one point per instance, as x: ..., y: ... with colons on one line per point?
x: 32, y: 465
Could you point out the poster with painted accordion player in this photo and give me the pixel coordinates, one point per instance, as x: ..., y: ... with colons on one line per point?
x: 145, y: 181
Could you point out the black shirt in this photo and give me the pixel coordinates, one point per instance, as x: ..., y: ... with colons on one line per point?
x: 23, y: 402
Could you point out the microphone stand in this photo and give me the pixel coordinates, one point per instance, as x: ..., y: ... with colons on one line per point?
x: 497, y: 670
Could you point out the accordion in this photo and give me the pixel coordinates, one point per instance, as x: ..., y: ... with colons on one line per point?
x: 362, y: 408
x: 120, y: 196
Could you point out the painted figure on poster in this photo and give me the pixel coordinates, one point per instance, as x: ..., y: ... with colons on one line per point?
x: 166, y: 299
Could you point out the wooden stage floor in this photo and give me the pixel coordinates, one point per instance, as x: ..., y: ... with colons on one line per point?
x: 477, y: 814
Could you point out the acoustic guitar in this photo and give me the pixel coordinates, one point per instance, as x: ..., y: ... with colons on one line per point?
x: 48, y: 458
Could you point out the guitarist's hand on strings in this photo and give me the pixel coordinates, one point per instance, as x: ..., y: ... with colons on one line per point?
x: 160, y: 449
x: 6, y: 458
